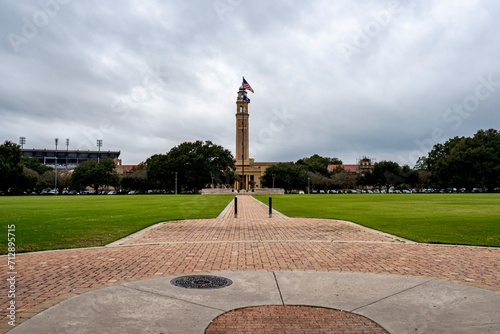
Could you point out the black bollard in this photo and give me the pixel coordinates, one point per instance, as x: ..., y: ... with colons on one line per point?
x: 270, y: 207
x: 236, y: 207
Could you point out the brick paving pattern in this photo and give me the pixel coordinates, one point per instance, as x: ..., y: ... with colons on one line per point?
x: 270, y: 230
x: 291, y: 319
x: 251, y: 242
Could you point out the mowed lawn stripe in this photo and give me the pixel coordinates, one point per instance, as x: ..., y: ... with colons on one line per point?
x: 60, y: 222
x: 465, y: 219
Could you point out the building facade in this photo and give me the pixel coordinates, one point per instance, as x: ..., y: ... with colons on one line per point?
x: 363, y: 166
x: 67, y: 159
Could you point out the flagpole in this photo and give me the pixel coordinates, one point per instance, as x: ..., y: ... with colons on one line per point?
x: 243, y: 152
x: 243, y: 147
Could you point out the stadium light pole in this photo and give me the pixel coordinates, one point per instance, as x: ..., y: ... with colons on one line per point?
x: 176, y: 183
x: 99, y: 144
x: 22, y: 141
x: 55, y: 165
x: 67, y: 149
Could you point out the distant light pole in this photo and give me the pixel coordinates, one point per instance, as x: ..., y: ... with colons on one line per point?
x: 99, y: 144
x: 22, y: 141
x: 308, y: 187
x: 176, y: 183
x: 55, y: 165
x: 67, y: 149
x: 273, y: 180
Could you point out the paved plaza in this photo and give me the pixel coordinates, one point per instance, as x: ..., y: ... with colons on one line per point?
x: 318, y: 266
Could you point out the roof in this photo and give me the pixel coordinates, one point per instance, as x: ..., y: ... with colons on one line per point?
x: 62, y: 153
x: 348, y: 168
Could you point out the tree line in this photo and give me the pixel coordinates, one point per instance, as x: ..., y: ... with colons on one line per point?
x: 189, y: 166
x: 465, y: 163
x: 460, y: 163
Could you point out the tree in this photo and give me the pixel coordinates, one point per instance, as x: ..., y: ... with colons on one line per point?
x: 31, y: 178
x: 286, y: 175
x: 11, y: 169
x: 91, y: 173
x: 138, y: 180
x: 344, y: 180
x: 33, y: 164
x: 319, y: 164
x: 387, y: 174
x: 466, y: 162
x: 196, y: 164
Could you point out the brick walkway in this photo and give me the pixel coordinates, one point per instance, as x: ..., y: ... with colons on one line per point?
x: 292, y: 319
x: 253, y: 241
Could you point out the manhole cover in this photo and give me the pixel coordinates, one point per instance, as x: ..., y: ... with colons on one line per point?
x: 201, y: 282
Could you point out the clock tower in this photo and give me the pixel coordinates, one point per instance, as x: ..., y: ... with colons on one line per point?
x: 242, y: 135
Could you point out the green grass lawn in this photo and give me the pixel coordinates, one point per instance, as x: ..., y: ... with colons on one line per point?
x: 58, y: 222
x: 466, y: 219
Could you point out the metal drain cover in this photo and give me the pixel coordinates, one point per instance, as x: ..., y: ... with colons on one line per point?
x: 201, y: 282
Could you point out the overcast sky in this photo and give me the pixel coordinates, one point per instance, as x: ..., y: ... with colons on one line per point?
x: 346, y: 79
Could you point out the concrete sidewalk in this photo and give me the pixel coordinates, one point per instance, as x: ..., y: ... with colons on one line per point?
x: 397, y: 303
x: 125, y: 287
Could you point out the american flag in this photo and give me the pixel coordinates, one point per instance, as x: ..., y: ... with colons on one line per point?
x: 247, y: 86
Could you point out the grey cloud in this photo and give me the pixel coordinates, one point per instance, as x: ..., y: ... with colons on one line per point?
x: 145, y: 76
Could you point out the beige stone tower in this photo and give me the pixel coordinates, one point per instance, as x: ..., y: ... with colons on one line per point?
x: 248, y: 172
x: 242, y: 135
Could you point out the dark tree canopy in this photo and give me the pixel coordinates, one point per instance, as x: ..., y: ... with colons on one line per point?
x: 466, y: 162
x: 94, y: 174
x: 138, y: 180
x: 33, y: 164
x: 387, y: 174
x: 196, y: 164
x: 286, y: 175
x: 319, y: 164
x: 11, y: 169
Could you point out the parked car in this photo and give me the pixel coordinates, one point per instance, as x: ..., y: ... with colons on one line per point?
x: 112, y: 192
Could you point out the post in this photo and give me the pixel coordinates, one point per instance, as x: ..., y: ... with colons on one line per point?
x: 67, y: 150
x: 236, y: 207
x: 270, y: 207
x: 99, y: 144
x: 55, y: 165
x: 22, y: 141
